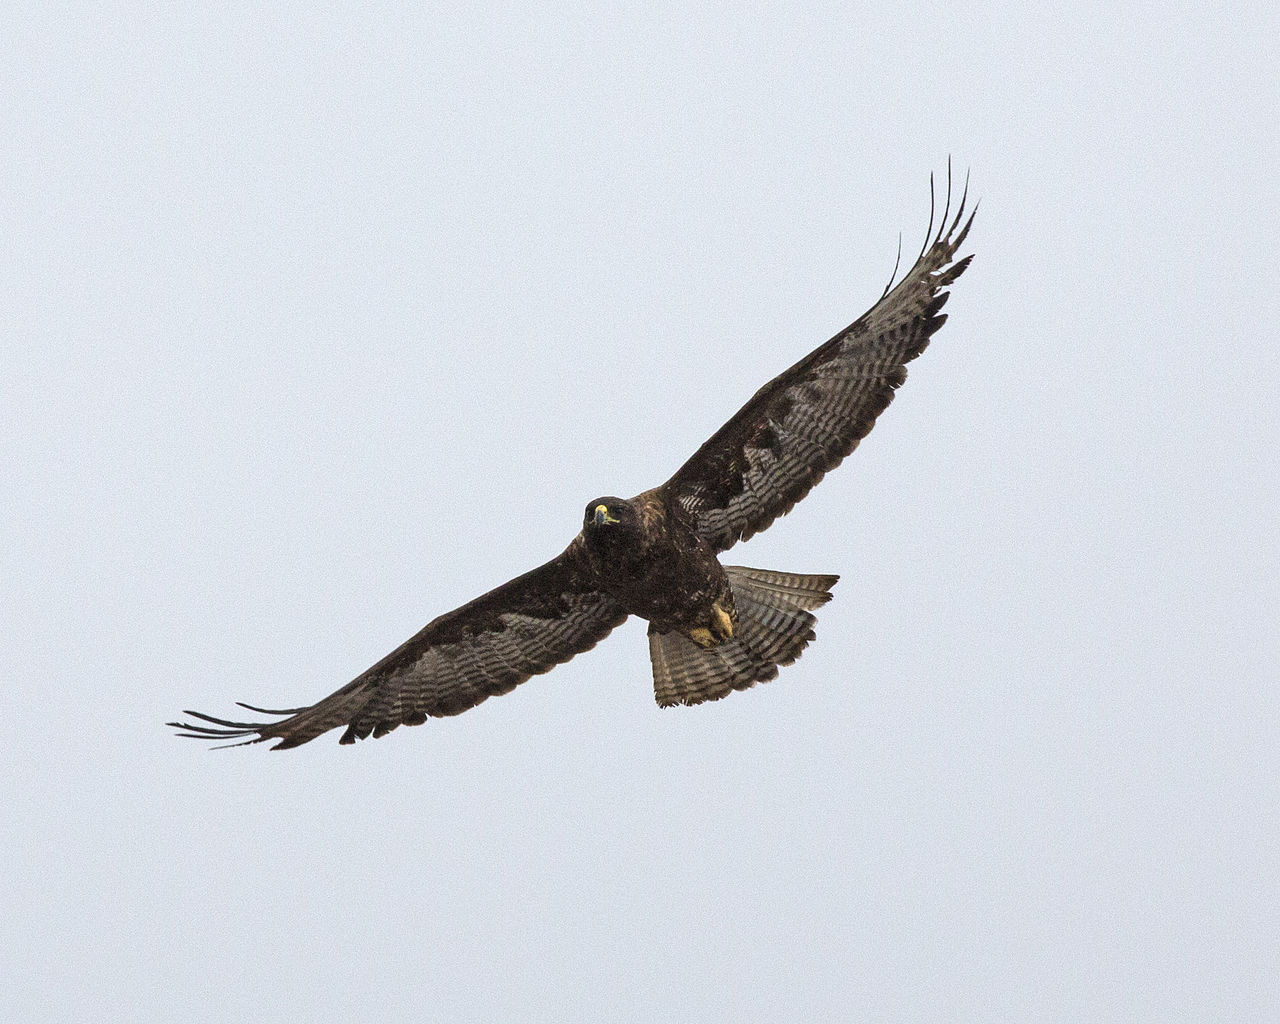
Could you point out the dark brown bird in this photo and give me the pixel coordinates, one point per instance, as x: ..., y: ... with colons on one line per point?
x: 712, y: 628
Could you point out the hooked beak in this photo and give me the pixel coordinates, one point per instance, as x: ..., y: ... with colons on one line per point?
x: 602, y: 516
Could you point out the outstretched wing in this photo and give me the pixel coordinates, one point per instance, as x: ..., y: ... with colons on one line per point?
x: 480, y: 650
x: 805, y: 421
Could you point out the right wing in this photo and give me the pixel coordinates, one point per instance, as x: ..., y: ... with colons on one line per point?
x: 487, y: 647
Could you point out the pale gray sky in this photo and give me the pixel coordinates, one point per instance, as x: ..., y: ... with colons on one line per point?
x: 318, y: 323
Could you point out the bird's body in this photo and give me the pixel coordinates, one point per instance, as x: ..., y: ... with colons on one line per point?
x: 655, y: 565
x: 713, y: 628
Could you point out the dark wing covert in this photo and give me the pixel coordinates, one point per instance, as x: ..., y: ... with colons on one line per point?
x: 485, y: 648
x: 806, y: 420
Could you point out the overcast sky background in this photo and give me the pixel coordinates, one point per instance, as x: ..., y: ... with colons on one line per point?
x: 318, y: 323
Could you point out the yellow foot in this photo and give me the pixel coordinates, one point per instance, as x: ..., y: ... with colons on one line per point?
x: 702, y: 637
x: 723, y: 621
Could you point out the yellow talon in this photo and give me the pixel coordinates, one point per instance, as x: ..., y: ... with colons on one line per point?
x: 702, y: 637
x: 724, y: 620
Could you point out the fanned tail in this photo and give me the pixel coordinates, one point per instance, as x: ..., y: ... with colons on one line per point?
x: 774, y: 625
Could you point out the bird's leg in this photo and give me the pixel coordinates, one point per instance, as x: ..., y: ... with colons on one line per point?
x: 720, y: 629
x: 721, y: 622
x: 702, y: 637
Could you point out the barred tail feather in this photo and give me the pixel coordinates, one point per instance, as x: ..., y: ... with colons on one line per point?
x: 774, y: 626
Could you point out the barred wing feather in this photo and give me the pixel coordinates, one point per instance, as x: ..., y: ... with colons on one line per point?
x: 485, y: 648
x: 804, y: 422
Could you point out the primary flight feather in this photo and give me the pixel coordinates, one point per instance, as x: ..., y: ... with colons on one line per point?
x: 713, y: 628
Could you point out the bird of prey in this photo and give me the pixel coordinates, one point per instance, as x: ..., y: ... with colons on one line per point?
x: 713, y: 628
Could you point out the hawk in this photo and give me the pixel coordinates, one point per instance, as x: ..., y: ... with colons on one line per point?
x: 713, y: 628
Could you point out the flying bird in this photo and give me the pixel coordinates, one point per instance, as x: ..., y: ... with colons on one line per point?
x: 713, y: 628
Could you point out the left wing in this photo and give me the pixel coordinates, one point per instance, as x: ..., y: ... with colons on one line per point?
x: 805, y: 421
x: 484, y: 648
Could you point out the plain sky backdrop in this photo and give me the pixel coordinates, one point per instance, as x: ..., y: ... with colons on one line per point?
x: 320, y: 320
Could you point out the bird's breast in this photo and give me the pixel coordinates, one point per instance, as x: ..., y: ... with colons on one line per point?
x: 673, y: 585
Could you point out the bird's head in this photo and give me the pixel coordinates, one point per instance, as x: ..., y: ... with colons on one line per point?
x: 612, y: 515
x: 613, y: 530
